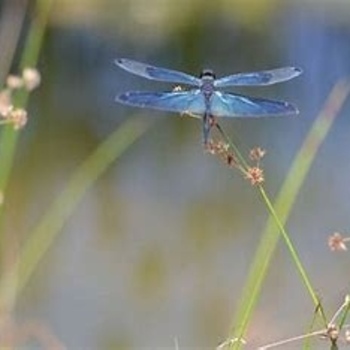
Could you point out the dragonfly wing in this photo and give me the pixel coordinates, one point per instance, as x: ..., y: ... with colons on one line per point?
x: 191, y: 102
x: 156, y: 73
x: 267, y: 77
x: 232, y: 105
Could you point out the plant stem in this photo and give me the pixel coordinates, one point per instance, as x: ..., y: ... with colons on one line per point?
x: 290, y: 246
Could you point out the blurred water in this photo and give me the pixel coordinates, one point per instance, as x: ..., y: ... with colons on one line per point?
x: 161, y: 246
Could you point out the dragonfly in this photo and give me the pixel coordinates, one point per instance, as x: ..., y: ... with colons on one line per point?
x: 204, y: 99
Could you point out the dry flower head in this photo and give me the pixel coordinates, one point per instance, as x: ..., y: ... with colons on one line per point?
x: 336, y: 242
x: 14, y: 82
x: 347, y: 336
x: 257, y: 153
x: 255, y: 175
x: 5, y: 102
x: 31, y: 78
x: 18, y: 117
x: 222, y: 150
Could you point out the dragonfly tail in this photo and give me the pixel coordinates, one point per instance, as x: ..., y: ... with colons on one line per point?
x: 206, y: 128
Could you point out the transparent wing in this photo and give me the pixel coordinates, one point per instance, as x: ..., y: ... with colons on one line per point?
x: 156, y: 73
x: 267, y: 77
x: 191, y: 102
x: 230, y: 105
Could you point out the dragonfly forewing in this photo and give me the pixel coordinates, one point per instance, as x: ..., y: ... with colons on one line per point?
x: 156, y: 73
x: 262, y: 78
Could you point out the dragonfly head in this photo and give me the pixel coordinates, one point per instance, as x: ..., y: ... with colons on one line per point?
x: 207, y: 73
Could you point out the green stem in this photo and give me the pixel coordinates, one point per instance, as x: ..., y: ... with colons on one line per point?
x: 345, y: 312
x: 9, y: 136
x: 290, y: 246
x: 281, y: 229
x: 278, y: 222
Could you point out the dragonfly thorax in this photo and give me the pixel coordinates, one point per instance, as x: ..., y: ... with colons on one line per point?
x: 207, y: 76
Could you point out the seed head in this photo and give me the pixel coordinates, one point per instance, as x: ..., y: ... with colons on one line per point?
x: 18, y: 117
x: 219, y: 147
x: 347, y: 336
x: 255, y: 175
x: 332, y: 332
x: 336, y: 242
x: 222, y: 150
x: 5, y: 102
x: 31, y: 78
x: 257, y: 154
x: 14, y: 82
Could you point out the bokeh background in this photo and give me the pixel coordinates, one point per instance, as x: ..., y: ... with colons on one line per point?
x: 160, y: 247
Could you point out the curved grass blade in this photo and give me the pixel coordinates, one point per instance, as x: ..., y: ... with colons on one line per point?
x: 42, y: 237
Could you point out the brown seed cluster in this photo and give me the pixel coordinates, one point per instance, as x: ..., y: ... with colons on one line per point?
x: 254, y: 174
x: 336, y: 242
x: 9, y: 114
x: 256, y: 154
x: 332, y: 332
x: 222, y: 150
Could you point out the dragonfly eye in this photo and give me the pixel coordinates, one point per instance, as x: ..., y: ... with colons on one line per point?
x: 207, y: 73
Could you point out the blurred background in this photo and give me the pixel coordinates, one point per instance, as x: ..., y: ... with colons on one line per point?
x: 160, y: 247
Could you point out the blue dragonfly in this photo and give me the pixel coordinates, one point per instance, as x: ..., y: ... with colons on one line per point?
x: 205, y: 100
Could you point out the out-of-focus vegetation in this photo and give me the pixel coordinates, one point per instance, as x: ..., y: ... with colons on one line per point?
x: 161, y: 245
